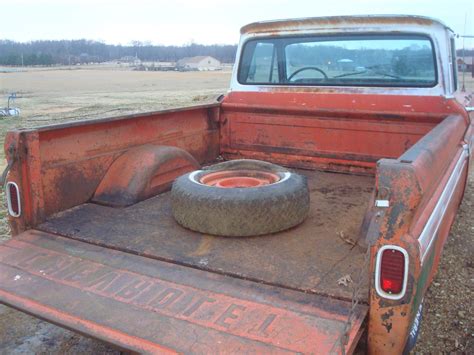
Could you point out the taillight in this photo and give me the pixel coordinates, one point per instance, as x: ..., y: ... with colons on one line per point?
x: 13, y: 199
x: 391, y: 271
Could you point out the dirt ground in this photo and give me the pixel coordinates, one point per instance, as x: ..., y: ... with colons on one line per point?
x: 50, y: 96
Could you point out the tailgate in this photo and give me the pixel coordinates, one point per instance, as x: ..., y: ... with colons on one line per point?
x: 152, y: 306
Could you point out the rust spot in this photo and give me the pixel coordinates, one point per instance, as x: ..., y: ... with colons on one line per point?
x: 394, y: 219
x: 386, y: 320
x: 294, y: 24
x: 387, y: 315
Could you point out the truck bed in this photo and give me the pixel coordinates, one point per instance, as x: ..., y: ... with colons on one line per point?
x: 310, y: 257
x: 134, y: 278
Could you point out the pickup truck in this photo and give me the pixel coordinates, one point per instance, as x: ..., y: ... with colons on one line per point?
x: 366, y: 108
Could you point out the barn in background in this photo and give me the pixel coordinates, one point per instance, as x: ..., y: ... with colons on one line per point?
x: 201, y: 63
x: 465, y: 64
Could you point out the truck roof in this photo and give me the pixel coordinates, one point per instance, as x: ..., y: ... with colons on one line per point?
x: 340, y: 21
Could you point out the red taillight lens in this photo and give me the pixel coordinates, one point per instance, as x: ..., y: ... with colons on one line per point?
x: 13, y: 199
x: 392, y: 271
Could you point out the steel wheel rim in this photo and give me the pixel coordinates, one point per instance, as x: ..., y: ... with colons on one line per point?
x: 231, y: 179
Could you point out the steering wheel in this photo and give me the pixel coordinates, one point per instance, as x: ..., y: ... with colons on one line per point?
x: 307, y: 68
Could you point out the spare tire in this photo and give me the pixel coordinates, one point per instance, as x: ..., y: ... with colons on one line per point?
x: 240, y: 198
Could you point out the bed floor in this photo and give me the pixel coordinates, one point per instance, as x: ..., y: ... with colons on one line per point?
x: 310, y: 257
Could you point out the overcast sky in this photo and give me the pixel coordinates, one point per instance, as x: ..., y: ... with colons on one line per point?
x: 202, y: 21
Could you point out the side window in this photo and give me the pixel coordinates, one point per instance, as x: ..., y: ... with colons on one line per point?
x: 263, y: 65
x: 454, y: 64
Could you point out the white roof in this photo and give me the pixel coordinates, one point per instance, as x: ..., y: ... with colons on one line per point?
x: 339, y: 21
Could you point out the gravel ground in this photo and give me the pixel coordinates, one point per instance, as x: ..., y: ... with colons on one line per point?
x: 448, y: 315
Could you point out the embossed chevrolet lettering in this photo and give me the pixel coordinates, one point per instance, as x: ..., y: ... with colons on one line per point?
x: 354, y: 127
x: 168, y: 298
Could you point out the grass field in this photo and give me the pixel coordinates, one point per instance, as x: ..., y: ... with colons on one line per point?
x: 52, y: 96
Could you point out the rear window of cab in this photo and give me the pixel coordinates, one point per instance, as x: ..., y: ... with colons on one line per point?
x: 349, y: 60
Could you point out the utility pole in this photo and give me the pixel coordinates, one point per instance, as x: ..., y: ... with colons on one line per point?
x: 22, y: 63
x: 464, y: 65
x: 463, y: 89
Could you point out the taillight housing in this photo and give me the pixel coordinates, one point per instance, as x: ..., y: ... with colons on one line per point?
x: 391, y: 272
x: 13, y: 199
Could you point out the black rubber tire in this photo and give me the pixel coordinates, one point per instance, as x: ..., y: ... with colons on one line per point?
x: 240, y: 212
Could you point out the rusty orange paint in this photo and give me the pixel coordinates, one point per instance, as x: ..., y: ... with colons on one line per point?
x: 357, y: 133
x: 409, y: 143
x: 239, y: 178
x: 141, y: 173
x: 411, y: 180
x: 305, y: 130
x: 222, y: 321
x: 61, y: 166
x: 332, y: 21
x: 104, y: 333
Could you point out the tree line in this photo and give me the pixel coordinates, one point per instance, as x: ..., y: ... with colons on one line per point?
x: 70, y: 52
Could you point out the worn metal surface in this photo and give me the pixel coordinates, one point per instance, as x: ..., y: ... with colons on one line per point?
x: 310, y: 257
x: 414, y: 184
x: 331, y: 131
x: 141, y: 173
x: 150, y: 306
x: 61, y: 166
x: 330, y: 22
x: 331, y: 128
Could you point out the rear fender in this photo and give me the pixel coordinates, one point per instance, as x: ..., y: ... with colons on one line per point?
x: 141, y: 173
x: 407, y: 189
x: 398, y: 194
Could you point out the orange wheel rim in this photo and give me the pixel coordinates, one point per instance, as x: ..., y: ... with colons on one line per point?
x: 231, y: 179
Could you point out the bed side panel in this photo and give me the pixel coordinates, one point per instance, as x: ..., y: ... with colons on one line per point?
x: 59, y: 167
x: 412, y: 186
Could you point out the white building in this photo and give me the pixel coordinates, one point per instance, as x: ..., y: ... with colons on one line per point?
x: 201, y: 63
